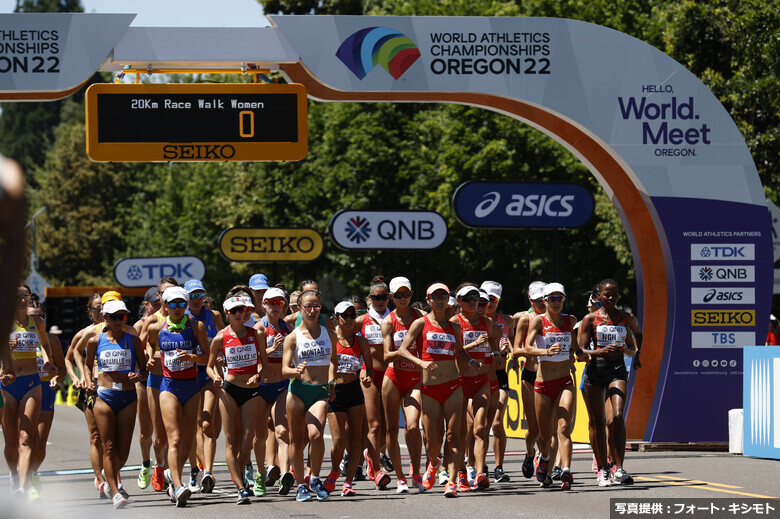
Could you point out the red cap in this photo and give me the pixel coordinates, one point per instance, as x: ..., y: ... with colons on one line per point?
x: 436, y: 286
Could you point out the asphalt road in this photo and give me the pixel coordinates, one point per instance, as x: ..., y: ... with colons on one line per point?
x: 68, y: 490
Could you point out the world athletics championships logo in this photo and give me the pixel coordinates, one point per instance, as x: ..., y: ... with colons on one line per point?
x: 366, y: 48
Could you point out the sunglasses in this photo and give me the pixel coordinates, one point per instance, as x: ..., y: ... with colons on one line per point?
x: 470, y: 297
x: 273, y: 303
x: 492, y: 299
x: 96, y: 308
x: 172, y: 304
x: 348, y: 315
x: 312, y: 307
x: 25, y: 297
x: 197, y: 295
x: 237, y: 310
x: 439, y: 297
x: 379, y: 297
x: 482, y: 303
x: 402, y: 295
x: 539, y: 301
x: 117, y: 317
x: 556, y: 299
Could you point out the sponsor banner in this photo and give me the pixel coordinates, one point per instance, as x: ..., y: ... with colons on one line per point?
x: 44, y: 53
x: 388, y: 229
x: 761, y: 402
x: 723, y: 273
x: 717, y: 339
x: 146, y: 272
x: 515, y: 205
x: 723, y: 251
x: 723, y: 317
x: 774, y: 213
x: 262, y: 244
x: 719, y: 296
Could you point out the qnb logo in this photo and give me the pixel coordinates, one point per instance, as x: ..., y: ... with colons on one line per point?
x: 705, y: 273
x: 366, y: 48
x: 358, y: 229
x: 555, y: 206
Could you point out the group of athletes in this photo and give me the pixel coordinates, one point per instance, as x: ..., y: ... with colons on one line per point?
x: 276, y: 369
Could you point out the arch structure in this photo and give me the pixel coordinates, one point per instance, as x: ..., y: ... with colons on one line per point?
x: 661, y: 145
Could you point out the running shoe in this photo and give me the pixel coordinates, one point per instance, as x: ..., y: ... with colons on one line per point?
x: 259, y: 489
x: 556, y: 474
x: 471, y: 472
x: 207, y: 483
x: 33, y: 494
x: 123, y: 492
x: 595, y: 466
x: 347, y: 490
x: 303, y: 494
x: 482, y: 481
x: 463, y: 481
x: 566, y: 480
x: 272, y: 475
x: 144, y: 477
x: 171, y: 494
x: 386, y: 463
x: 249, y: 475
x: 182, y: 494
x: 541, y: 469
x: 528, y: 466
x: 243, y: 497
x: 319, y: 490
x: 382, y: 479
x: 343, y: 464
x: 105, y: 491
x: 603, y: 478
x: 36, y: 480
x: 418, y: 480
x: 158, y: 479
x: 499, y: 475
x: 193, y: 485
x: 403, y: 487
x: 621, y: 477
x: 198, y: 463
x: 547, y: 483
x: 370, y: 473
x: 168, y: 477
x: 330, y: 481
x: 450, y: 490
x: 359, y: 476
x: 444, y: 477
x: 286, y: 483
x: 430, y: 475
x: 119, y: 501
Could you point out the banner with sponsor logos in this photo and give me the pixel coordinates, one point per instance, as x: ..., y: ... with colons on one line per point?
x: 410, y: 230
x: 146, y: 272
x: 660, y: 143
x: 270, y: 244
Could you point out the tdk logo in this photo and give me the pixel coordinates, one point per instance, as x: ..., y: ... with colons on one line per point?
x: 723, y: 251
x: 512, y: 205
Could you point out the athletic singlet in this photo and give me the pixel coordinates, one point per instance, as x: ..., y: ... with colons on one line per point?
x: 399, y: 332
x: 502, y: 324
x: 240, y: 352
x: 552, y: 334
x: 169, y: 342
x: 437, y: 343
x: 371, y: 331
x: 27, y: 340
x: 44, y: 375
x: 607, y: 332
x: 160, y: 318
x: 270, y: 334
x: 350, y: 358
x: 471, y: 334
x: 316, y: 352
x: 115, y: 357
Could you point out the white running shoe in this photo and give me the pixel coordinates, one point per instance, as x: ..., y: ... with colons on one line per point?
x: 604, y: 478
x: 403, y: 488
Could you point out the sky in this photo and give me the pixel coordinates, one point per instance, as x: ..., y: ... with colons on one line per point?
x: 176, y: 13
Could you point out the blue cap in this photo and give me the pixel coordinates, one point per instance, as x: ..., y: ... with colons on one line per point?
x: 258, y: 282
x: 192, y: 285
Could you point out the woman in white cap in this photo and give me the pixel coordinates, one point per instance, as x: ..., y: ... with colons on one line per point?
x: 441, y: 343
x: 310, y: 361
x: 401, y: 386
x: 347, y: 410
x: 273, y: 396
x: 370, y: 326
x: 244, y: 353
x: 610, y: 331
x: 528, y: 372
x: 177, y: 338
x: 209, y: 423
x: 480, y: 342
x: 551, y: 338
x: 121, y: 363
x: 499, y: 381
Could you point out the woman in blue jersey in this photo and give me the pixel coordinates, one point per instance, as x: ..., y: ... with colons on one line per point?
x: 177, y: 337
x: 209, y: 423
x: 121, y: 363
x: 310, y: 361
x: 22, y: 392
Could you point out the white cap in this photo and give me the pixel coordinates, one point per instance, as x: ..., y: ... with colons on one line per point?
x: 234, y: 302
x: 273, y: 293
x: 452, y: 302
x: 114, y: 306
x: 399, y: 282
x: 772, y: 317
x: 536, y: 290
x: 343, y: 307
x: 493, y: 288
x: 172, y: 293
x: 465, y: 290
x: 484, y: 295
x: 552, y: 288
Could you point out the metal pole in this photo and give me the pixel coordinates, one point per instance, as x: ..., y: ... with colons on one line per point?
x: 527, y: 257
x: 34, y: 255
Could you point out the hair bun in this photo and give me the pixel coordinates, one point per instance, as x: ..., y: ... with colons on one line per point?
x: 378, y: 278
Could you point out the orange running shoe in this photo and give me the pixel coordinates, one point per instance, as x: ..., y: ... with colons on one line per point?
x: 450, y: 490
x: 158, y: 479
x: 429, y: 479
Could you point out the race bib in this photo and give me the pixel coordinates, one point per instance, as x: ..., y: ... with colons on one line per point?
x: 373, y: 334
x: 269, y: 342
x: 349, y: 363
x: 26, y: 342
x: 470, y: 336
x: 607, y: 334
x: 439, y: 343
x: 241, y: 356
x: 113, y: 361
x: 551, y: 338
x: 174, y: 364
